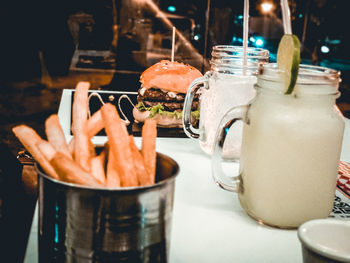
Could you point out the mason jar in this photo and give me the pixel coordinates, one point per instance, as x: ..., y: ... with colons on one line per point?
x: 229, y: 82
x: 290, y: 149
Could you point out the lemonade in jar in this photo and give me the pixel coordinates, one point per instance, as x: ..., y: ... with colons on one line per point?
x: 291, y: 148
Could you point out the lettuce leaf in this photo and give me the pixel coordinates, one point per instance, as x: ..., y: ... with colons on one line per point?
x: 159, y: 109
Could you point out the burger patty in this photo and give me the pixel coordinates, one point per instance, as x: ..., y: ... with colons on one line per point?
x: 155, y: 94
x: 168, y: 105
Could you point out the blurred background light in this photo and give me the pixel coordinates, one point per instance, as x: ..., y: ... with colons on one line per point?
x: 324, y: 49
x: 171, y: 8
x: 266, y: 7
x: 259, y: 42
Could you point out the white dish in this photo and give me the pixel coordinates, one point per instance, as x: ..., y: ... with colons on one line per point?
x: 65, y: 112
x: 329, y: 238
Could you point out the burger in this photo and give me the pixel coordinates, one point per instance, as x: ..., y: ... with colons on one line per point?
x: 162, y: 93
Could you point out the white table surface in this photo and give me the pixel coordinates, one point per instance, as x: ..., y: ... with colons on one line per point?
x: 208, y: 223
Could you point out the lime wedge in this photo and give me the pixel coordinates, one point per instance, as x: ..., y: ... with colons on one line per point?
x: 288, y: 60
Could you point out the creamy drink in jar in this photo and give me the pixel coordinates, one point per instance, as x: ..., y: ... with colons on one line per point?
x: 226, y: 91
x: 228, y: 83
x: 291, y: 151
x: 291, y: 147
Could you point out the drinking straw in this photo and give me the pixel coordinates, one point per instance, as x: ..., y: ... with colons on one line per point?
x: 286, y: 17
x: 173, y: 45
x: 245, y: 33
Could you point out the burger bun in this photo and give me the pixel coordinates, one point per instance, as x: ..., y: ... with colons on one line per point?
x: 170, y: 76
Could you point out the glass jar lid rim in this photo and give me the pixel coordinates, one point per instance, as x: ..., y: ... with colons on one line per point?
x: 238, y: 48
x: 237, y: 52
x: 311, y: 80
x: 271, y: 70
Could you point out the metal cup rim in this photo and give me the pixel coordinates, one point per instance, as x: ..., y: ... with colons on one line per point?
x: 113, y: 189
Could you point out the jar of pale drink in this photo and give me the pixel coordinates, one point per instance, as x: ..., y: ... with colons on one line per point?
x: 228, y: 83
x: 290, y: 148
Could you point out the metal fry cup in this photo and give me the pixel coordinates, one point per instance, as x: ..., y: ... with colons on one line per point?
x: 85, y: 224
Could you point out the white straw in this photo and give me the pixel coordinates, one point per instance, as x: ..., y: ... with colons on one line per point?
x: 245, y: 33
x: 173, y: 45
x: 286, y: 17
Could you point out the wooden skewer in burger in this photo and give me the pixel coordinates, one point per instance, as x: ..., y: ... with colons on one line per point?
x: 163, y: 90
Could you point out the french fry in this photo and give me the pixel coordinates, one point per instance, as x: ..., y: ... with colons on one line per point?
x: 79, y: 125
x: 71, y: 147
x: 148, y: 148
x: 94, y: 125
x: 92, y: 149
x: 139, y: 165
x: 118, y: 139
x: 55, y: 135
x: 80, y: 106
x: 112, y: 178
x: 82, y: 150
x: 47, y: 149
x: 29, y: 138
x: 69, y: 171
x: 98, y: 167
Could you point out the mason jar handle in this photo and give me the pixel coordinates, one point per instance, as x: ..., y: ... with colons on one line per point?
x: 198, y: 83
x: 220, y: 178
